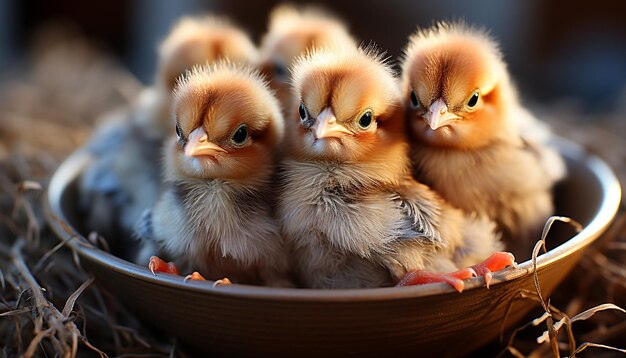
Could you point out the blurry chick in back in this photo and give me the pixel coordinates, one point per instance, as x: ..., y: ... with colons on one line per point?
x: 124, y: 177
x: 293, y: 31
x: 471, y: 139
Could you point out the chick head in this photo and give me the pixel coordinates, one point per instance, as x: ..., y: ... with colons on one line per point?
x: 349, y: 106
x: 196, y: 41
x: 292, y: 32
x: 228, y: 124
x: 455, y: 87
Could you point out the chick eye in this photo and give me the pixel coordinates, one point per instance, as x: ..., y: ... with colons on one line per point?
x: 179, y: 133
x: 414, y: 100
x: 280, y: 71
x: 180, y: 137
x: 366, y: 120
x: 241, y: 135
x: 473, y: 100
x: 302, y: 112
x: 305, y: 119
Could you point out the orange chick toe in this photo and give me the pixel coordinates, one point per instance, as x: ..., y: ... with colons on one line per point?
x: 493, y: 263
x: 454, y: 279
x: 195, y: 276
x: 157, y: 265
x: 224, y: 281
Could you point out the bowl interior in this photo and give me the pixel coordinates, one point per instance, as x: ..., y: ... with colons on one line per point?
x: 399, y: 321
x: 589, y: 194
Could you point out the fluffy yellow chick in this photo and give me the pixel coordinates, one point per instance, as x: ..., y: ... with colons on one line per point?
x: 348, y: 204
x: 123, y: 179
x: 293, y: 31
x: 471, y: 140
x: 214, y: 213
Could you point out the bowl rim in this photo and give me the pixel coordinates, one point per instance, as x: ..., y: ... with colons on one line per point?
x: 76, y: 162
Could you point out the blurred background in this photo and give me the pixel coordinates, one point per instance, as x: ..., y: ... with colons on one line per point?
x: 557, y: 50
x: 64, y: 64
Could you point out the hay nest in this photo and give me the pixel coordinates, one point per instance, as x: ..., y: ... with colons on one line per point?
x: 50, y: 306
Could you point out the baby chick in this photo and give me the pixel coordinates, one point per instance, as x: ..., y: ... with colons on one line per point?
x: 123, y: 179
x: 214, y: 213
x: 292, y: 32
x: 348, y: 204
x: 471, y: 139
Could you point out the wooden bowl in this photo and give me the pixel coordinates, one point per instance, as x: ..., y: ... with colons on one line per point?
x: 242, y: 319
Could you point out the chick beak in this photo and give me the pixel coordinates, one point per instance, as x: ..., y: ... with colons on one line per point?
x: 438, y: 115
x: 199, y: 144
x: 326, y: 126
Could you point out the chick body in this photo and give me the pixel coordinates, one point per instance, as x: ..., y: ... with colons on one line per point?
x: 123, y: 177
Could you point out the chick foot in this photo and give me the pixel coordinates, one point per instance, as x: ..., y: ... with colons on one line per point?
x: 493, y: 263
x: 157, y: 265
x: 454, y: 279
x: 224, y: 281
x: 196, y: 276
